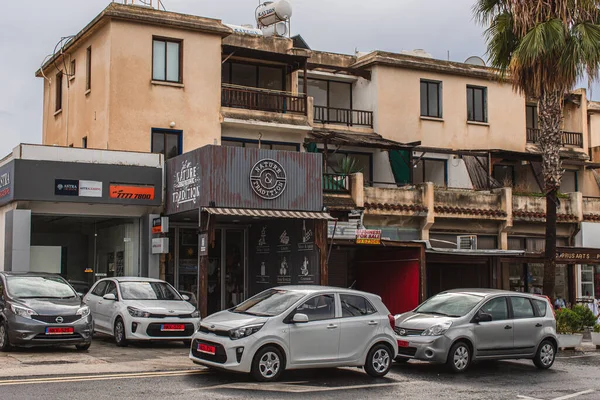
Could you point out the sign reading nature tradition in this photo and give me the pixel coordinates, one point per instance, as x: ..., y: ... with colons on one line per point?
x: 186, y: 186
x: 268, y: 179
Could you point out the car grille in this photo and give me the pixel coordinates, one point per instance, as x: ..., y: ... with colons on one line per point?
x: 217, y: 332
x: 154, y: 331
x: 170, y: 316
x: 408, y: 332
x: 51, y: 319
x: 407, y: 351
x: 220, y: 354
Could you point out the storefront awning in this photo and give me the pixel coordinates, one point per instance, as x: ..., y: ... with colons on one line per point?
x: 244, y: 212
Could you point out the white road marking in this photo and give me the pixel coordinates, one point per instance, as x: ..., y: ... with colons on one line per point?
x: 527, y: 398
x: 569, y: 396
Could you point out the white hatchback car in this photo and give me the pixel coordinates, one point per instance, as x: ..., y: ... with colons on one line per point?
x: 296, y: 327
x: 141, y: 309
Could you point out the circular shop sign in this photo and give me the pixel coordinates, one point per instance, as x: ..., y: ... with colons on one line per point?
x: 268, y: 179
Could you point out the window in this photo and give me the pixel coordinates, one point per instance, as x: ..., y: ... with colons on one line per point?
x: 59, y: 85
x: 167, y: 60
x: 568, y: 183
x: 541, y: 307
x: 476, y: 104
x: 252, y: 75
x: 587, y: 281
x: 532, y: 116
x: 505, y: 174
x: 166, y: 142
x: 73, y: 69
x: 99, y: 289
x: 431, y: 99
x: 430, y: 170
x: 497, y: 308
x: 319, y: 308
x: 233, y: 142
x: 522, y: 308
x: 84, y: 142
x: 111, y: 288
x: 355, y: 306
x: 331, y: 100
x: 88, y: 69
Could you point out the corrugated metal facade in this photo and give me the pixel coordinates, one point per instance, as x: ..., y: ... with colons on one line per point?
x: 221, y: 175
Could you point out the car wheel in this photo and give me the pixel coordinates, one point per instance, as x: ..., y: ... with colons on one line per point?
x: 379, y: 361
x: 268, y: 364
x: 545, y: 356
x: 83, y: 347
x: 459, y: 357
x: 4, y: 341
x: 120, y: 337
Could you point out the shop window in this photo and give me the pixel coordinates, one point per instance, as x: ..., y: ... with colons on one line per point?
x: 522, y: 308
x: 319, y: 308
x: 497, y: 308
x: 505, y: 174
x: 355, y: 306
x: 166, y: 142
x: 532, y: 116
x: 167, y: 60
x: 476, y: 104
x: 587, y: 280
x: 252, y: 75
x: 431, y: 98
x: 568, y: 183
x: 265, y: 144
x: 430, y: 170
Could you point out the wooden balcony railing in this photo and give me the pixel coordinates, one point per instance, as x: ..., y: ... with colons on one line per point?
x: 336, y: 183
x: 574, y: 139
x: 331, y: 115
x: 262, y: 100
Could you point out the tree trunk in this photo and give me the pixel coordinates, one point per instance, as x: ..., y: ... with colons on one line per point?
x: 550, y: 141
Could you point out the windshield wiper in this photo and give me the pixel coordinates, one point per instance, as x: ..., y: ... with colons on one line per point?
x: 43, y: 297
x: 435, y: 313
x: 250, y: 313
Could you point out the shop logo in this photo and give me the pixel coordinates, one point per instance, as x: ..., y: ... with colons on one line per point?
x: 268, y: 179
x: 66, y: 187
x: 283, y: 270
x: 402, y: 332
x: 284, y: 238
x: 304, y: 269
x: 186, y: 188
x: 306, y: 234
x: 263, y: 237
x: 59, y: 320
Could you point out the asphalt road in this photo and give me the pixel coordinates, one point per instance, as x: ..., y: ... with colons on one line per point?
x: 572, y: 377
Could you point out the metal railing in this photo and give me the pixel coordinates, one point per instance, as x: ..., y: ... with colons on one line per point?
x: 574, y: 139
x: 336, y: 183
x: 346, y: 116
x: 262, y: 100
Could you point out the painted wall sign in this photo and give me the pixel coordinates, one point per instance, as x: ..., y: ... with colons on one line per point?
x: 133, y: 192
x: 186, y: 187
x: 66, y: 187
x: 577, y: 255
x: 90, y: 189
x: 343, y: 230
x: 268, y: 179
x: 368, y: 236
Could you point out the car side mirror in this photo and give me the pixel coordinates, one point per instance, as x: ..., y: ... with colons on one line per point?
x: 110, y: 296
x: 300, y: 318
x: 185, y: 297
x: 80, y: 294
x: 483, y: 317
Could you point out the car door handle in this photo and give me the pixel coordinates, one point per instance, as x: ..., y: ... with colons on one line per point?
x: 332, y: 326
x: 538, y: 325
x: 508, y: 327
x: 372, y: 323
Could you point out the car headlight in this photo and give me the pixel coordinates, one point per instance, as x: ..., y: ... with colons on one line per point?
x: 196, y: 314
x: 134, y: 312
x: 244, y: 331
x: 83, y: 311
x: 22, y: 311
x: 437, y: 330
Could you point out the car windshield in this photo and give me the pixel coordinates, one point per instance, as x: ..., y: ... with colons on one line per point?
x: 39, y: 287
x: 148, y: 291
x: 450, y: 304
x: 268, y: 303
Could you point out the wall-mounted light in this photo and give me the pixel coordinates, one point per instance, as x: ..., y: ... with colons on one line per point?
x: 172, y: 124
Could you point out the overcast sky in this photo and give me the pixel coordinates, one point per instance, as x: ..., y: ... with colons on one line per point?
x: 29, y: 30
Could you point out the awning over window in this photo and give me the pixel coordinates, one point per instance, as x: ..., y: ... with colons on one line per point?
x: 244, y: 212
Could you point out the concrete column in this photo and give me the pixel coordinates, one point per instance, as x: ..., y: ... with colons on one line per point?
x: 357, y: 189
x: 507, y: 224
x: 429, y: 202
x: 576, y: 201
x: 17, y: 240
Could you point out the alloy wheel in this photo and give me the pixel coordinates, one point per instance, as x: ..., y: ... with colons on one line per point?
x: 381, y: 360
x: 547, y: 354
x: 269, y: 365
x: 461, y: 358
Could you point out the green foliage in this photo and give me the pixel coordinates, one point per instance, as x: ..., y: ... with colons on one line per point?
x: 348, y: 165
x: 597, y: 328
x: 567, y: 321
x: 588, y: 319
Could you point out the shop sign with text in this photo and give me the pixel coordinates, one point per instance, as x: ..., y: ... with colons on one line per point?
x: 368, y: 236
x: 131, y: 192
x: 577, y: 255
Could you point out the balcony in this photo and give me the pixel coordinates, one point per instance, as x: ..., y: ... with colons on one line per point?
x: 336, y: 183
x: 572, y: 139
x: 344, y: 116
x: 251, y: 98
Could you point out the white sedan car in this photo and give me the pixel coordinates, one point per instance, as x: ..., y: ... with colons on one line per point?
x: 141, y: 309
x: 296, y: 327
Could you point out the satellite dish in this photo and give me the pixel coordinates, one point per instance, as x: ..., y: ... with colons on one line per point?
x: 475, y: 60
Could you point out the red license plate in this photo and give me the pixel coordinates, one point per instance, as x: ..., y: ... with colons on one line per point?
x: 172, y: 327
x: 59, y: 331
x: 204, y: 348
x: 402, y: 343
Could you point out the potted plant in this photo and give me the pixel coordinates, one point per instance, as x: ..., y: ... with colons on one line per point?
x: 568, y: 324
x: 588, y: 319
x: 596, y: 336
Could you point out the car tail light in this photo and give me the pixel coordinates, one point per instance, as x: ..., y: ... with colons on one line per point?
x: 392, y: 321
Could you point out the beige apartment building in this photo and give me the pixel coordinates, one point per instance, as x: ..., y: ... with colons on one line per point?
x: 441, y: 151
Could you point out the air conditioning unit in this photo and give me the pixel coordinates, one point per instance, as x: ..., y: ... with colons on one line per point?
x: 466, y: 242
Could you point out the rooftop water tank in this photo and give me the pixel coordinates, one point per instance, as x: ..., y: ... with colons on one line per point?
x: 270, y: 13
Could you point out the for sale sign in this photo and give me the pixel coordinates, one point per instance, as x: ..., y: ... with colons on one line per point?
x: 368, y: 236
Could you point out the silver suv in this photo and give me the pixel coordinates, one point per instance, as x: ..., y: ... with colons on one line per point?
x: 460, y: 326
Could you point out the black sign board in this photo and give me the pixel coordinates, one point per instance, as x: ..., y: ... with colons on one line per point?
x: 6, y: 183
x: 203, y: 244
x: 66, y: 187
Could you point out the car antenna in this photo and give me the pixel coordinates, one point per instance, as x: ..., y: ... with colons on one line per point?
x: 352, y: 286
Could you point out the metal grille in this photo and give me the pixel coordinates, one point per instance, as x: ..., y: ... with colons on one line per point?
x: 217, y: 332
x: 407, y: 351
x: 408, y: 332
x: 51, y: 319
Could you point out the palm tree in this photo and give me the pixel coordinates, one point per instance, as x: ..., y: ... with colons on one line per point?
x: 544, y: 47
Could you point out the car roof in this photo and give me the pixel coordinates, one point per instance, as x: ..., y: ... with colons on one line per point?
x: 134, y: 279
x: 491, y: 292
x: 31, y: 274
x: 316, y: 289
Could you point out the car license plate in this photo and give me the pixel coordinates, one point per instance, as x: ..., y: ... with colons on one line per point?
x: 402, y: 343
x: 172, y: 327
x: 204, y: 348
x: 59, y: 331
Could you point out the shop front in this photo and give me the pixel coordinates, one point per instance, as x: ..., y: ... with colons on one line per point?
x: 243, y: 220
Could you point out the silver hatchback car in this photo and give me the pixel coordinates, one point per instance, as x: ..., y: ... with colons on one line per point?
x: 460, y: 326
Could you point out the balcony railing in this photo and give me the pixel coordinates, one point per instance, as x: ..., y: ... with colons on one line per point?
x: 574, y: 139
x: 331, y: 115
x: 262, y: 100
x: 336, y: 183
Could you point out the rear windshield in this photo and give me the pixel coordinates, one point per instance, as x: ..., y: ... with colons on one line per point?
x: 39, y: 287
x: 268, y: 303
x: 148, y: 291
x: 450, y: 304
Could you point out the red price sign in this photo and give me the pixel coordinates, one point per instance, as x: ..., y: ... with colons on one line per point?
x: 368, y: 236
